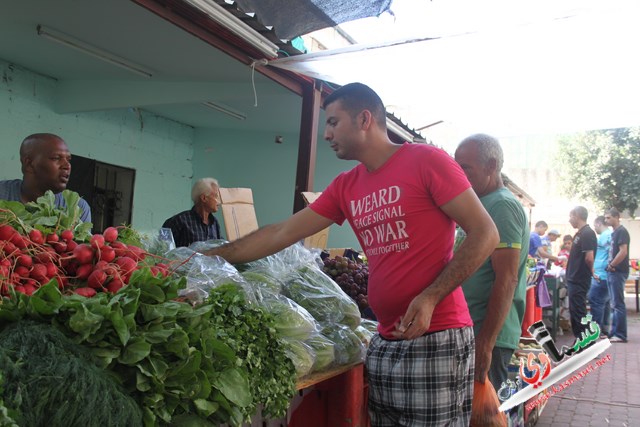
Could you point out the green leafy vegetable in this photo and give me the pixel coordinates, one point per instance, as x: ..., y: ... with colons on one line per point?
x: 324, y: 350
x: 322, y: 297
x: 51, y: 381
x: 215, y: 362
x: 301, y: 355
x: 291, y: 320
x: 45, y: 216
x: 348, y: 346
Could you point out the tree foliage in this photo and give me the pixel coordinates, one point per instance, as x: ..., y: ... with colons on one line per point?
x: 602, y: 166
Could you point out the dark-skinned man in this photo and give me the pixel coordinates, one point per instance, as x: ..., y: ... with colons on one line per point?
x: 46, y: 165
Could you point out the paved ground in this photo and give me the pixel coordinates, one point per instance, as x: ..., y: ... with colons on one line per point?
x: 607, y: 396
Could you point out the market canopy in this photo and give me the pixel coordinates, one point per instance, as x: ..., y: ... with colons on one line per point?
x: 293, y: 18
x: 572, y: 71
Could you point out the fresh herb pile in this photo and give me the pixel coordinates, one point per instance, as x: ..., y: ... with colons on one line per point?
x: 212, y: 363
x: 52, y: 381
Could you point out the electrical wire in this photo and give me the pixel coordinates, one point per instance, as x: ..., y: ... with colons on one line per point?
x: 262, y: 62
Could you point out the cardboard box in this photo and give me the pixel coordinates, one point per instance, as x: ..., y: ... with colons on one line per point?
x: 320, y: 239
x: 334, y: 252
x: 238, y: 212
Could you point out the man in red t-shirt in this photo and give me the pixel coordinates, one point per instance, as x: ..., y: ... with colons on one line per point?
x: 403, y: 202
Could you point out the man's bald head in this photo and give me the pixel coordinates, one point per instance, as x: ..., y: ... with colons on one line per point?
x: 45, y: 160
x: 34, y: 144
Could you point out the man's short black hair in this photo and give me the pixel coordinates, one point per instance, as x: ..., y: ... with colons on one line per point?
x: 541, y: 224
x: 614, y: 212
x: 356, y: 97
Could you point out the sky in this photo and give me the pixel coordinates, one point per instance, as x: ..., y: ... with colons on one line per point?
x: 503, y: 67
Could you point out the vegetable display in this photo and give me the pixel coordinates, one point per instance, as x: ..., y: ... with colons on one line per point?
x: 320, y: 295
x: 171, y: 339
x: 39, y: 242
x: 50, y: 380
x: 214, y: 362
x: 351, y: 276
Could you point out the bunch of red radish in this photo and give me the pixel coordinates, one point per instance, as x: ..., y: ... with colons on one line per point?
x: 103, y: 264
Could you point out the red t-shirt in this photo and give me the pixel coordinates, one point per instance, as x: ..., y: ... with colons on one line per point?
x: 407, y: 239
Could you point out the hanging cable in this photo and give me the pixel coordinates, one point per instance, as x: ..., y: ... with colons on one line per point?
x: 253, y: 81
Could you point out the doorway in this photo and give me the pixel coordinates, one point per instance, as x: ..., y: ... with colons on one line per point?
x: 107, y: 188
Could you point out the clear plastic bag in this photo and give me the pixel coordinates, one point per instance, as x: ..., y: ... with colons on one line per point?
x: 204, y: 273
x: 292, y: 321
x: 263, y: 280
x: 157, y: 242
x: 324, y: 299
x: 349, y: 349
x: 324, y: 350
x: 301, y: 355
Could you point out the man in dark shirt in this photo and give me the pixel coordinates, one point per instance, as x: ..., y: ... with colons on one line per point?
x: 197, y: 224
x: 617, y: 273
x: 580, y: 267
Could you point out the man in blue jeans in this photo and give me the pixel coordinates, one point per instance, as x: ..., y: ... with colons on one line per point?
x: 598, y: 296
x: 618, y: 271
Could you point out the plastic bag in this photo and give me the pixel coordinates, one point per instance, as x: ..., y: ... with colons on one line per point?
x: 157, y: 242
x: 290, y: 258
x: 484, y: 407
x: 543, y: 299
x: 318, y: 293
x: 325, y: 353
x: 301, y: 355
x: 204, y: 273
x: 263, y: 281
x: 292, y: 321
x: 348, y: 346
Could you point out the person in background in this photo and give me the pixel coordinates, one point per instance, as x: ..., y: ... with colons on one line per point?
x: 198, y: 224
x: 420, y: 364
x: 535, y: 238
x: 599, y: 299
x: 580, y: 267
x: 539, y: 244
x: 565, y: 250
x: 46, y: 165
x: 617, y: 273
x: 496, y: 292
x: 545, y: 251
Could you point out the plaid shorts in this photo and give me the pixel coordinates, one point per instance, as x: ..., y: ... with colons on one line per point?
x: 427, y: 381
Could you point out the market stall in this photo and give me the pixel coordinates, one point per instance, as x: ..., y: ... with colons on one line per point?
x: 141, y: 333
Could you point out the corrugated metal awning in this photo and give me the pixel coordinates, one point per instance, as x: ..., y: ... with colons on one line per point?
x: 294, y: 18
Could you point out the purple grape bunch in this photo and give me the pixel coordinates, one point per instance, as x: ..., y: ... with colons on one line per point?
x: 351, y: 276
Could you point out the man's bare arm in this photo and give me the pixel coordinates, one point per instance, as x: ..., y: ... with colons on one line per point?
x: 482, y: 238
x: 542, y: 253
x: 272, y: 238
x: 589, y: 258
x: 505, y: 262
x: 620, y: 256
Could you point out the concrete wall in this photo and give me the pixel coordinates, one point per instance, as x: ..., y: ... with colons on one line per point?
x: 254, y: 160
x: 167, y: 156
x: 160, y: 150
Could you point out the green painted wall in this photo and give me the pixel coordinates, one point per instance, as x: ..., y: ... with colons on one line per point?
x: 167, y: 156
x: 254, y: 160
x: 160, y: 150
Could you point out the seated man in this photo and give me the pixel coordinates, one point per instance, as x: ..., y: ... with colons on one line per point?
x: 45, y: 160
x: 198, y: 223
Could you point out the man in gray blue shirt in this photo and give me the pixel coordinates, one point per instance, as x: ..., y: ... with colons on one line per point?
x: 45, y: 160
